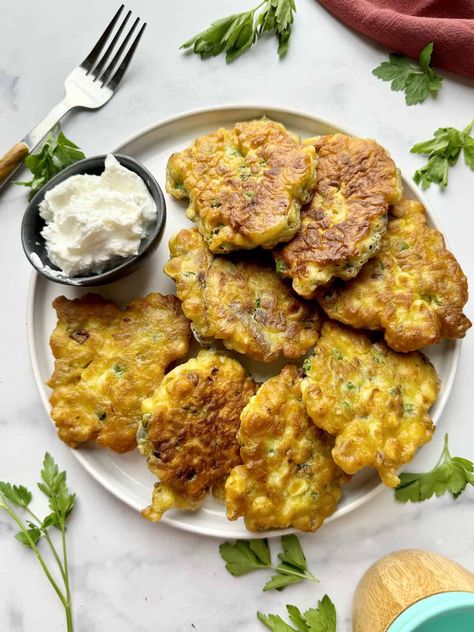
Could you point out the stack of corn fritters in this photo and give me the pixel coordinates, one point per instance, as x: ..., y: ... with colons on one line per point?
x: 330, y: 209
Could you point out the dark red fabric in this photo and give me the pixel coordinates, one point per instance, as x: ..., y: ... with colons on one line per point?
x: 405, y: 26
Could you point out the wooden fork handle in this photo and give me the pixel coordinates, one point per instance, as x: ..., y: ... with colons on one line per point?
x: 12, y: 159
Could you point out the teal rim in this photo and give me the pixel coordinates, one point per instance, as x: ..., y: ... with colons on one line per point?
x: 429, y: 610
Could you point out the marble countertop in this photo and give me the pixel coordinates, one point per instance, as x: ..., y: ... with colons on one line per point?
x: 128, y: 574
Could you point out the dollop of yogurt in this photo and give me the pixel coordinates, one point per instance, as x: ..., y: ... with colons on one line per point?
x: 93, y: 220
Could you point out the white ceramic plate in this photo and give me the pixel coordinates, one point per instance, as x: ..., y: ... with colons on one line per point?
x: 126, y: 476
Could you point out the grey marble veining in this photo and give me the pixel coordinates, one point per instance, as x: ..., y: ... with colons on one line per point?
x: 127, y: 574
x: 9, y: 89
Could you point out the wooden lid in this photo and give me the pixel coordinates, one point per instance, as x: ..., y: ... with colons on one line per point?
x: 400, y: 579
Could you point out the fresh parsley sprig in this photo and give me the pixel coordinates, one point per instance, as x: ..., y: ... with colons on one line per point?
x: 61, y: 502
x: 55, y: 155
x: 450, y: 474
x: 417, y: 81
x: 246, y: 556
x: 319, y: 619
x: 443, y: 151
x: 236, y: 33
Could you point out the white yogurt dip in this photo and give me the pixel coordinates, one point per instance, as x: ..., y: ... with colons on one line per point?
x: 92, y: 220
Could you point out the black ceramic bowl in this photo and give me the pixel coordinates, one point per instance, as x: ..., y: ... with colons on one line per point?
x: 32, y: 225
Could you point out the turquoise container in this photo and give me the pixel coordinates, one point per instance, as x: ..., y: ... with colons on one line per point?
x: 445, y: 612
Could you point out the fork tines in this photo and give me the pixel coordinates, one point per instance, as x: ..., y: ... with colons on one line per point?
x: 95, y: 62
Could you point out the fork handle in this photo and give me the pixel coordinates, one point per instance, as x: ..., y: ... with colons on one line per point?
x: 12, y: 160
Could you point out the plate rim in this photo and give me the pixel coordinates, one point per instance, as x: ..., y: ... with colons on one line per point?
x: 35, y: 278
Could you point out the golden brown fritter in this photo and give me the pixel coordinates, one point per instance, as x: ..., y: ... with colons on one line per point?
x: 288, y: 478
x: 342, y: 226
x: 246, y: 185
x: 374, y: 400
x: 189, y: 427
x: 243, y: 303
x: 413, y: 288
x: 107, y: 361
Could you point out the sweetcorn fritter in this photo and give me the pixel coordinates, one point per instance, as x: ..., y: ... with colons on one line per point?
x: 245, y: 185
x: 107, y: 360
x: 189, y: 426
x: 288, y: 477
x: 413, y: 289
x: 243, y: 303
x: 342, y: 226
x: 373, y: 400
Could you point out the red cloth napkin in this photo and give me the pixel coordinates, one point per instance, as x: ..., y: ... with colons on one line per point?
x: 405, y: 26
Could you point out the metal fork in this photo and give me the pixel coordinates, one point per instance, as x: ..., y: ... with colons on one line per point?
x: 90, y: 85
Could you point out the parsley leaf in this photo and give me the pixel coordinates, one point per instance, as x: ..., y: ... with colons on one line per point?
x: 281, y: 580
x: 417, y: 81
x: 293, y: 567
x: 468, y: 150
x: 61, y: 502
x: 297, y: 618
x: 55, y: 155
x: 34, y: 534
x: 278, y: 16
x: 292, y: 553
x: 246, y: 556
x: 276, y: 623
x: 235, y: 34
x: 450, y: 474
x: 17, y: 494
x: 443, y: 151
x: 319, y: 619
x: 322, y: 618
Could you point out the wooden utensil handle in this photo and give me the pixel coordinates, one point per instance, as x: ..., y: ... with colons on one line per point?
x: 12, y: 159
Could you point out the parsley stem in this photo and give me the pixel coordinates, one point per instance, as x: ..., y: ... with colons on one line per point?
x: 306, y: 575
x: 253, y: 11
x: 44, y: 531
x: 62, y: 568
x: 445, y: 454
x: 39, y: 557
x: 66, y: 580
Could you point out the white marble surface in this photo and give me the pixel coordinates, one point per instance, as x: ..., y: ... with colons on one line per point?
x: 128, y: 574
